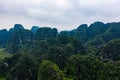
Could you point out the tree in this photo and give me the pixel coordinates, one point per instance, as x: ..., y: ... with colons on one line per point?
x: 79, y: 48
x: 63, y: 39
x: 59, y: 54
x: 108, y: 72
x: 25, y: 69
x: 82, y: 67
x: 111, y: 50
x: 49, y: 71
x: 8, y: 63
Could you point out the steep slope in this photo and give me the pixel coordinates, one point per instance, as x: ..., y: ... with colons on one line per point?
x: 111, y: 50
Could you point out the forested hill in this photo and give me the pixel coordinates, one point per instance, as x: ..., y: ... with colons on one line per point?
x: 88, y: 35
x: 85, y: 53
x: 96, y: 34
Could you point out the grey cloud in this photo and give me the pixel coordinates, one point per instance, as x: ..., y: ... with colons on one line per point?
x: 62, y: 14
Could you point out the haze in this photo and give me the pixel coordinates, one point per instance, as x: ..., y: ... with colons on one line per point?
x: 62, y: 14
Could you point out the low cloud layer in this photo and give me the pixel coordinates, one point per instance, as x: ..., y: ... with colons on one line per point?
x: 62, y: 14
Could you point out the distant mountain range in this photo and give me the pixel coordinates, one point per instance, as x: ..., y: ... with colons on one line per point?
x: 96, y: 34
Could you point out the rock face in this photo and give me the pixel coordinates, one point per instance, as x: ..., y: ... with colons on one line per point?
x: 46, y: 33
x: 18, y: 26
x: 34, y: 29
x: 3, y: 37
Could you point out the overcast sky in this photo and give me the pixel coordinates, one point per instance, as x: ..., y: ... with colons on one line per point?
x: 62, y: 14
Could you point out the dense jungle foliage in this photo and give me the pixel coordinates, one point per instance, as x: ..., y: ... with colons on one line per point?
x: 42, y: 53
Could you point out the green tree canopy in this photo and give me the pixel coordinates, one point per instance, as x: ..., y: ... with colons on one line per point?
x: 25, y: 69
x: 49, y: 71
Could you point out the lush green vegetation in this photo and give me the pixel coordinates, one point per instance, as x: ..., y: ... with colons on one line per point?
x: 3, y: 54
x: 2, y: 78
x: 86, y: 53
